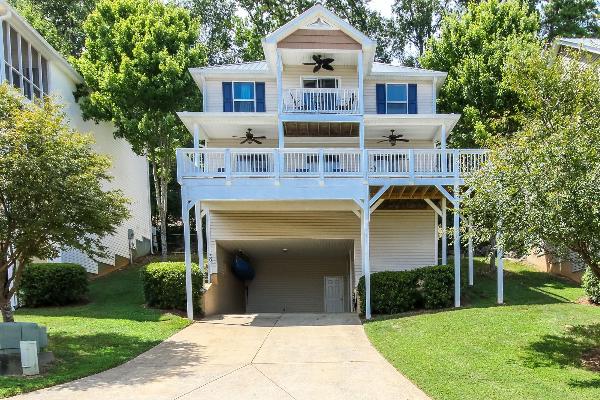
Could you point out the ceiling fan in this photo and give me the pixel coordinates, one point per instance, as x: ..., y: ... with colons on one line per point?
x: 319, y: 63
x: 250, y: 138
x: 392, y: 138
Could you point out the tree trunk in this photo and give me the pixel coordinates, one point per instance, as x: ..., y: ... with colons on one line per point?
x: 7, y: 312
x: 5, y: 307
x: 492, y: 264
x: 163, y: 216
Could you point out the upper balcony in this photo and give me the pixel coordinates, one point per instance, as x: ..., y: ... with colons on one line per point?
x: 321, y: 101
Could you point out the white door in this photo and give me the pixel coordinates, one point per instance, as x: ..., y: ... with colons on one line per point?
x: 334, y: 294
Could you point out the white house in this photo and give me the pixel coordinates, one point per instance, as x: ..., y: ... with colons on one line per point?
x: 321, y: 166
x: 30, y: 64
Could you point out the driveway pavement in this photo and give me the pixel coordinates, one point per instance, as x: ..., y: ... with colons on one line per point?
x: 264, y: 356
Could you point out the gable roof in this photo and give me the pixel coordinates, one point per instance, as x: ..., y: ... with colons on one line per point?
x: 8, y: 13
x: 591, y: 45
x: 310, y: 16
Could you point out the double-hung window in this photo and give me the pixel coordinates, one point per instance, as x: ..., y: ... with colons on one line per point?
x: 24, y: 66
x: 397, y: 98
x: 244, y: 97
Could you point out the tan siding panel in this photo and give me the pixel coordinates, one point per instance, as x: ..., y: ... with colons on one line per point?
x: 424, y: 95
x: 291, y: 76
x: 319, y: 39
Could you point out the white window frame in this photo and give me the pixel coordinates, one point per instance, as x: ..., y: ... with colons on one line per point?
x: 243, y: 100
x: 395, y: 101
x: 18, y: 70
x: 338, y: 81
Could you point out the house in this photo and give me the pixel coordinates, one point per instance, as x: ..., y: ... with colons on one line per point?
x: 30, y: 64
x: 588, y: 51
x: 320, y: 166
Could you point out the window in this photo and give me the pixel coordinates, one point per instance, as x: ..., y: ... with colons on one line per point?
x: 244, y: 99
x: 397, y: 98
x: 324, y: 83
x: 24, y: 66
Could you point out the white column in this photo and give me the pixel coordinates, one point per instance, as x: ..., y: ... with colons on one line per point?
x: 361, y: 95
x: 456, y: 248
x: 443, y: 148
x: 444, y: 234
x: 361, y: 134
x: 185, y: 217
x: 2, y: 69
x: 470, y: 254
x: 436, y: 239
x: 198, y: 217
x: 434, y: 96
x: 196, y: 145
x: 500, y: 272
x: 279, y: 71
x: 281, y: 134
x: 366, y: 255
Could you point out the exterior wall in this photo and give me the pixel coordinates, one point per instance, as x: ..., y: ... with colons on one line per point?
x: 284, y: 284
x: 319, y: 39
x: 424, y: 94
x: 552, y: 265
x: 225, y: 293
x: 312, y: 142
x: 130, y: 173
x: 400, y: 239
x: 213, y: 95
x: 291, y: 77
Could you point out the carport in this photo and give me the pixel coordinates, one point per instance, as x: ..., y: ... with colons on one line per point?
x: 293, y: 275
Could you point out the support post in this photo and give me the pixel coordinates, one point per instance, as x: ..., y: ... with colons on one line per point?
x: 196, y: 145
x: 366, y: 254
x: 443, y: 148
x: 279, y: 85
x: 444, y: 234
x: 500, y: 271
x: 470, y: 254
x: 198, y: 214
x: 2, y: 69
x: 361, y: 97
x: 185, y: 216
x: 456, y: 248
x: 361, y: 135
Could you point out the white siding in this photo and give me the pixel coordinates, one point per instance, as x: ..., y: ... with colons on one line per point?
x: 214, y: 93
x: 400, y: 240
x: 292, y: 76
x: 424, y: 94
x: 130, y: 173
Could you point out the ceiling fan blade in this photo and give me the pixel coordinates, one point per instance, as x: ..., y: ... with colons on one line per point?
x: 381, y: 141
x: 244, y: 141
x: 260, y: 137
x: 256, y: 141
x: 328, y: 60
x: 316, y: 58
x: 309, y: 63
x: 403, y: 140
x: 328, y: 67
x: 316, y: 68
x: 392, y: 143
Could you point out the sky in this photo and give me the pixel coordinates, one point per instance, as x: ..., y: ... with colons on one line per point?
x: 383, y: 6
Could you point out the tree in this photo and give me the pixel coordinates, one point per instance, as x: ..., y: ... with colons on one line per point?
x: 135, y: 66
x: 416, y: 21
x: 571, y: 18
x: 65, y: 16
x: 472, y: 48
x: 51, y: 190
x: 541, y: 186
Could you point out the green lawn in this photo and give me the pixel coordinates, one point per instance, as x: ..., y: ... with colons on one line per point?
x: 529, y: 348
x: 113, y: 328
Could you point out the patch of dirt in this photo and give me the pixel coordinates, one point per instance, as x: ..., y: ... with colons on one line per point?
x: 591, y: 360
x: 586, y: 301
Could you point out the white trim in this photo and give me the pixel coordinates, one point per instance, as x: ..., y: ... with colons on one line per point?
x: 338, y: 81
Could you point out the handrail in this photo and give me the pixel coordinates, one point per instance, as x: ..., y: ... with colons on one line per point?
x: 321, y: 101
x: 232, y: 163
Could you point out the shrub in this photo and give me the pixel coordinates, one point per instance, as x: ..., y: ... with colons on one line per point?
x: 437, y: 286
x: 164, y: 285
x: 53, y: 284
x: 391, y: 292
x: 399, y: 291
x: 591, y: 286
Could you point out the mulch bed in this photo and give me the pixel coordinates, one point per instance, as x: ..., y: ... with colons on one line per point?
x: 591, y: 360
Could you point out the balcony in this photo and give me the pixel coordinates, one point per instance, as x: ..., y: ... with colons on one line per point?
x: 321, y: 101
x: 328, y: 163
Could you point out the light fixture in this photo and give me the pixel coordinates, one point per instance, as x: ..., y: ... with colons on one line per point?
x: 284, y: 250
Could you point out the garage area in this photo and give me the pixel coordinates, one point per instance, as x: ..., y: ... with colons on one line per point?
x: 290, y: 276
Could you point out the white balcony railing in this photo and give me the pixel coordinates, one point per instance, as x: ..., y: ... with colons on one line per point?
x: 321, y: 101
x: 328, y: 163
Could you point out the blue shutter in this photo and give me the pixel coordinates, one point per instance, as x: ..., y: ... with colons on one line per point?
x: 412, y: 98
x: 227, y: 97
x: 259, y: 87
x: 380, y: 98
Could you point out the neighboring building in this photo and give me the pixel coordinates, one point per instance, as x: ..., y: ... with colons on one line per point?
x: 30, y: 64
x: 319, y: 176
x: 589, y: 51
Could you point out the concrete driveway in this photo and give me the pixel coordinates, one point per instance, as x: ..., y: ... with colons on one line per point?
x: 265, y: 356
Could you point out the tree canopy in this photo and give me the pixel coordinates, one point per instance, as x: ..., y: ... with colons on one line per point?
x: 51, y: 189
x: 135, y: 66
x: 472, y: 47
x: 571, y: 18
x: 541, y: 187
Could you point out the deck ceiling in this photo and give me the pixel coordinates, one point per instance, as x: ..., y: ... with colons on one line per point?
x: 409, y: 192
x: 321, y: 129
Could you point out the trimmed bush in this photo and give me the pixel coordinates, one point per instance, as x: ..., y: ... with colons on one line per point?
x: 591, y: 286
x: 437, y: 286
x: 164, y: 285
x: 53, y: 284
x: 394, y: 292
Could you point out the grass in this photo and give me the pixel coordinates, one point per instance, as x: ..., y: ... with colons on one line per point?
x: 111, y: 329
x: 530, y: 348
